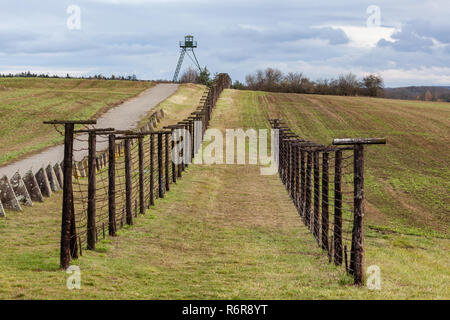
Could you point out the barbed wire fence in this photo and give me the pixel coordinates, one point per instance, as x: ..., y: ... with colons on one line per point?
x: 109, y: 189
x: 326, y: 184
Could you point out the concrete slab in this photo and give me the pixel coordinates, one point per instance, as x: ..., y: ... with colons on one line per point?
x: 33, y: 187
x: 8, y: 196
x: 44, y: 184
x: 20, y: 190
x: 59, y: 174
x: 2, y: 211
x: 52, y: 179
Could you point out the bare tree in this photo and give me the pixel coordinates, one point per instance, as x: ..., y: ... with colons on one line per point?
x: 267, y: 80
x: 374, y: 85
x: 295, y: 82
x: 272, y: 79
x: 190, y: 76
x: 348, y: 84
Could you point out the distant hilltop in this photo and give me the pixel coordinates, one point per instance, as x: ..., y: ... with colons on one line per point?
x: 427, y: 93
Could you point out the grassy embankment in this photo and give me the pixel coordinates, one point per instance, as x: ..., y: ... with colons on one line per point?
x: 408, y: 180
x: 25, y: 103
x: 227, y: 232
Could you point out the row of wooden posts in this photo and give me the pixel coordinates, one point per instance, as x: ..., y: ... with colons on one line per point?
x: 80, y: 168
x: 308, y: 184
x: 195, y: 124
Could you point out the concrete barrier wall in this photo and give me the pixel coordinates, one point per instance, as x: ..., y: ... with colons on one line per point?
x: 8, y: 196
x: 20, y: 190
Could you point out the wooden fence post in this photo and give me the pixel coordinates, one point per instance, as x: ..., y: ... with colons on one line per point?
x: 128, y: 183
x: 141, y: 176
x: 338, y: 208
x: 167, y: 159
x: 302, y: 183
x: 291, y: 170
x: 286, y: 162
x: 92, y: 185
x: 160, y: 167
x: 112, y: 226
x: 180, y: 154
x: 152, y: 168
x: 325, y: 204
x: 281, y: 166
x: 191, y: 131
x: 316, y: 195
x: 296, y: 178
x: 174, y: 166
x: 69, y: 239
x: 68, y: 248
x: 280, y: 152
x: 284, y: 168
x: 357, y: 251
x: 186, y: 146
x: 308, y: 189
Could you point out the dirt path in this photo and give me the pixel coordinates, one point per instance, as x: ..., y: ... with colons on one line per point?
x: 122, y: 117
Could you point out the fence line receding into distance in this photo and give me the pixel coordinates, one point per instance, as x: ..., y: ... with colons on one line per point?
x: 109, y: 189
x: 326, y: 184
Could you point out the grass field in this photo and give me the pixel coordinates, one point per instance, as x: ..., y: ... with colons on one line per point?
x: 408, y: 180
x: 226, y: 232
x: 25, y: 103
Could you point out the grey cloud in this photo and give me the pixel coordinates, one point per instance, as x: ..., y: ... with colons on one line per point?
x: 143, y: 38
x: 283, y: 34
x: 416, y: 36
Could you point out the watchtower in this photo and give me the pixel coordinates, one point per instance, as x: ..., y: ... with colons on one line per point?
x: 186, y: 46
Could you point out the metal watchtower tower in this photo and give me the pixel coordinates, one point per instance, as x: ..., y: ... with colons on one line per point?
x: 186, y: 46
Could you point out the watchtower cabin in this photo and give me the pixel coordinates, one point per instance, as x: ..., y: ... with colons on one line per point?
x: 188, y: 42
x: 187, y: 46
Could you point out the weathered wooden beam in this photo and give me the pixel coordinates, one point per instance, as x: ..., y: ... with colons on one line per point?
x: 71, y: 122
x: 141, y: 176
x: 325, y: 204
x: 128, y: 183
x: 337, y: 232
x: 96, y: 130
x: 349, y: 141
x: 112, y: 224
x: 357, y: 250
x: 91, y: 231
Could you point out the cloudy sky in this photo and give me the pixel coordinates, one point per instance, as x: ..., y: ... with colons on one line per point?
x: 408, y: 45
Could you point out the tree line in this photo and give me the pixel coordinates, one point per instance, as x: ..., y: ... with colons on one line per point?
x: 28, y: 74
x: 426, y: 93
x: 191, y: 75
x: 274, y: 80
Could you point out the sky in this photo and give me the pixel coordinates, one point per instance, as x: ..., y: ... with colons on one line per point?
x: 407, y: 42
